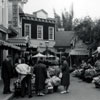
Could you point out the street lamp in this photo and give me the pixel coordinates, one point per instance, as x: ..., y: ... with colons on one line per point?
x: 47, y: 43
x: 2, y: 10
x: 60, y: 56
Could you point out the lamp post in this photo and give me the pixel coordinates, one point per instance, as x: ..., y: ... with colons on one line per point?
x: 60, y: 57
x: 2, y: 10
x: 47, y: 43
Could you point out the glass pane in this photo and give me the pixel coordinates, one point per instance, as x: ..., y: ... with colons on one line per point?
x: 27, y: 30
x: 39, y: 32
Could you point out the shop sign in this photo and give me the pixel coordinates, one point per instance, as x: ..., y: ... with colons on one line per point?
x: 15, y: 13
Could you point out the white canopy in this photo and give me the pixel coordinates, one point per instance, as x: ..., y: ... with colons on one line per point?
x: 50, y: 55
x: 23, y: 69
x: 39, y: 55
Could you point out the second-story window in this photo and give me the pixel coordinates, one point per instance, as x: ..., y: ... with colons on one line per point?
x: 51, y: 33
x: 27, y: 30
x: 39, y: 32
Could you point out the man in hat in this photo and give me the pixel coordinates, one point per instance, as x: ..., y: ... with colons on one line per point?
x: 6, y: 74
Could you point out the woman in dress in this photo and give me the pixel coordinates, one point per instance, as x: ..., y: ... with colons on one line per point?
x: 65, y: 80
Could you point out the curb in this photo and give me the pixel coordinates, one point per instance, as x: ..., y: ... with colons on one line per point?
x: 9, y: 97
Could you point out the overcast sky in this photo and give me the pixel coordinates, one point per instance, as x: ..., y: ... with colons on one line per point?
x: 81, y: 8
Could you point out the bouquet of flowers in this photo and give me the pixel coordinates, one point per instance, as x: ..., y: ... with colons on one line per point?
x: 77, y: 72
x: 56, y: 80
x: 49, y: 86
x: 89, y: 73
x: 96, y: 81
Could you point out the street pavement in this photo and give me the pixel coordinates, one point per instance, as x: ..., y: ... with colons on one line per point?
x: 6, y: 96
x: 79, y: 90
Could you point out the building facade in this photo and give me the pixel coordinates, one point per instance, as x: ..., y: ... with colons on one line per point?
x: 15, y: 7
x: 6, y: 47
x: 40, y: 29
x: 14, y: 22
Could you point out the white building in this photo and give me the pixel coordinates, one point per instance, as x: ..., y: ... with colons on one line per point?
x: 15, y: 7
x: 9, y: 15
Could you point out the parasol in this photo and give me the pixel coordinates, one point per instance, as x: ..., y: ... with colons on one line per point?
x: 23, y: 69
x: 39, y: 55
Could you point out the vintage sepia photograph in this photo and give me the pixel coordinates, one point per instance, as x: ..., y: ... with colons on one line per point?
x: 49, y: 49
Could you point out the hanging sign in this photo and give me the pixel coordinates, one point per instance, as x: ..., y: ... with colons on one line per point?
x: 15, y: 13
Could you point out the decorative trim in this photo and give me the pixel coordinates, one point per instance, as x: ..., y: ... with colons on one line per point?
x: 38, y: 19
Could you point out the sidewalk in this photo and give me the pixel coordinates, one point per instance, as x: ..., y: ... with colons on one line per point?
x: 5, y: 96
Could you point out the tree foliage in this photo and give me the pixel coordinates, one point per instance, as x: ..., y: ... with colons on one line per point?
x: 66, y: 20
x: 89, y: 31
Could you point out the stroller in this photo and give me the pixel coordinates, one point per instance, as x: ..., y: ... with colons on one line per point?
x: 17, y: 88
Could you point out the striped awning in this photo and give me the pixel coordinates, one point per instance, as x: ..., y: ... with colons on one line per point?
x: 19, y: 41
x: 9, y: 45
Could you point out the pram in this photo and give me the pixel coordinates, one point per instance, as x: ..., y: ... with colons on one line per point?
x: 17, y: 88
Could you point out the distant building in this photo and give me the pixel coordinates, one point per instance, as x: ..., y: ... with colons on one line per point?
x: 64, y: 40
x: 79, y: 52
x: 40, y: 29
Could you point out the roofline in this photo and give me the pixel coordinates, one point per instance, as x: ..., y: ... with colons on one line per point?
x: 39, y: 11
x: 32, y: 17
x: 3, y: 29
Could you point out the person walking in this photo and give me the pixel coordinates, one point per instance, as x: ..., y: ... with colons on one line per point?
x: 65, y: 80
x: 40, y: 77
x: 6, y: 74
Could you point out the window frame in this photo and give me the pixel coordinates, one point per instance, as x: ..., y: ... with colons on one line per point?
x: 29, y: 29
x: 41, y: 31
x: 50, y: 33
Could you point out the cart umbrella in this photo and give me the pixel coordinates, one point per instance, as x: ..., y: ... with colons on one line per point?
x: 23, y: 69
x: 39, y: 55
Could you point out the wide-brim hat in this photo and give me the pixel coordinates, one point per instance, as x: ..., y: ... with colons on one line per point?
x: 63, y: 58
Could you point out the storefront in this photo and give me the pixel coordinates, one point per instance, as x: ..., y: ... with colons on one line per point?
x: 6, y: 47
x: 12, y: 50
x: 78, y: 53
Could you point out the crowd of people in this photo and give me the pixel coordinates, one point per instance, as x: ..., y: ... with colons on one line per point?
x: 40, y: 77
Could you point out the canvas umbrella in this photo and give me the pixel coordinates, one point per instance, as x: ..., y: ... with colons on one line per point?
x: 23, y: 69
x: 39, y: 55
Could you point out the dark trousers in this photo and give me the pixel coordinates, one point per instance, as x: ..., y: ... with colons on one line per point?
x: 67, y: 86
x: 6, y: 82
x: 55, y: 88
x: 26, y: 86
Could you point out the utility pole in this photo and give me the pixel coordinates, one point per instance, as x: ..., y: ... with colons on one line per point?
x: 2, y: 10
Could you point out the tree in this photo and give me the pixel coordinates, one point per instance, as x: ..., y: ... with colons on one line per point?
x: 88, y: 31
x: 57, y: 20
x: 83, y: 29
x: 66, y: 20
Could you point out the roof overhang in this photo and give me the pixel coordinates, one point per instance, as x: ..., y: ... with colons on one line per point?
x: 12, y: 31
x: 8, y: 45
x: 19, y: 41
x: 3, y: 29
x: 79, y: 52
